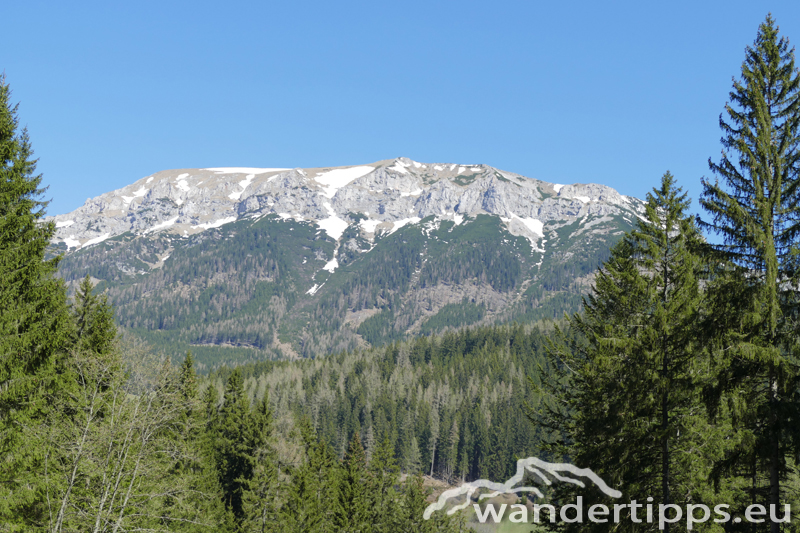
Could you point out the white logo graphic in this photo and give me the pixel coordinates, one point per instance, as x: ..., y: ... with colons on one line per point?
x: 535, y: 466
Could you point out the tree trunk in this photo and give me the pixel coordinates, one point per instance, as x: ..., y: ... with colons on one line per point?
x: 775, y: 451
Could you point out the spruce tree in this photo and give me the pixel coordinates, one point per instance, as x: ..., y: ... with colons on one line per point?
x: 310, y: 497
x: 260, y: 495
x: 352, y: 511
x: 626, y: 378
x: 93, y: 316
x: 34, y: 322
x: 754, y: 208
x: 383, y: 473
x: 238, y: 436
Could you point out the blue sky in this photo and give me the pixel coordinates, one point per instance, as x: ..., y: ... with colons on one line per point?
x: 606, y: 92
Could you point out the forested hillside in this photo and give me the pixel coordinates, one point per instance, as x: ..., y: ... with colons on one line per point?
x: 453, y: 406
x: 240, y: 292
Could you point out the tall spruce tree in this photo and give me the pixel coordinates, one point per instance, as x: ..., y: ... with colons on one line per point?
x: 34, y: 321
x: 93, y: 316
x: 310, y: 497
x: 626, y: 380
x: 238, y: 437
x: 755, y: 209
x: 352, y: 511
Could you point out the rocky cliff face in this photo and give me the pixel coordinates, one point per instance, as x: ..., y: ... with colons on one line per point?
x: 463, y: 223
x: 389, y: 194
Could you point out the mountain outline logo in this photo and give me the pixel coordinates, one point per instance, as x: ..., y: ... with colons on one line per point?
x: 532, y: 465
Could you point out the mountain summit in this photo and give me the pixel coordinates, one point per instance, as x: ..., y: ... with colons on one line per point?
x: 387, y: 249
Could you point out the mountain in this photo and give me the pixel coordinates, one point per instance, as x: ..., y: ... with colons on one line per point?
x: 252, y: 263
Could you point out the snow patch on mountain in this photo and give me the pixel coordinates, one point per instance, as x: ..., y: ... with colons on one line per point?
x: 182, y: 184
x: 333, y: 180
x: 244, y: 170
x: 536, y: 226
x: 400, y: 223
x: 165, y: 224
x: 216, y: 223
x: 96, y: 240
x: 243, y: 184
x: 532, y: 225
x: 333, y: 225
x: 313, y: 290
x: 331, y: 265
x: 369, y: 225
x: 399, y: 166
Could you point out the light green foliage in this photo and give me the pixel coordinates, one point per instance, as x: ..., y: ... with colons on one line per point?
x: 116, y: 453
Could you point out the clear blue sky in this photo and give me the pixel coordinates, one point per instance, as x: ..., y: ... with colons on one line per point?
x: 605, y: 92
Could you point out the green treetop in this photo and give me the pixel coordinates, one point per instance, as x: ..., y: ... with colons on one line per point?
x: 625, y: 384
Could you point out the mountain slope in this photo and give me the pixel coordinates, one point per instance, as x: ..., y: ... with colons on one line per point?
x: 244, y: 263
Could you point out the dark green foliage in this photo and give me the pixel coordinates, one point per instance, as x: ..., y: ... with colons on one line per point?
x: 94, y: 320
x: 238, y: 434
x: 383, y: 499
x: 453, y: 316
x: 353, y: 510
x: 625, y: 387
x: 261, y: 492
x: 34, y: 321
x: 476, y: 379
x: 188, y: 378
x: 752, y: 323
x: 310, y: 498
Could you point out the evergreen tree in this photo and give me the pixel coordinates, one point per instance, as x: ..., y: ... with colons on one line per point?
x: 626, y: 383
x: 261, y: 491
x: 383, y: 472
x: 194, y: 460
x: 188, y: 377
x: 238, y: 437
x: 34, y: 322
x: 755, y: 209
x: 412, y: 508
x: 93, y: 316
x: 310, y: 496
x: 353, y: 513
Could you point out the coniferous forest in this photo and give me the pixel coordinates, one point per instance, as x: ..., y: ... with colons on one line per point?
x: 679, y: 381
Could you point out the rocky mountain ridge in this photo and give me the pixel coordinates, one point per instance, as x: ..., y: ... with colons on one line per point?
x: 245, y: 264
x: 389, y: 194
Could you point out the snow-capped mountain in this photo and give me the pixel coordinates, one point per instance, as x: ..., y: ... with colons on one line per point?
x: 390, y: 194
x: 346, y: 213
